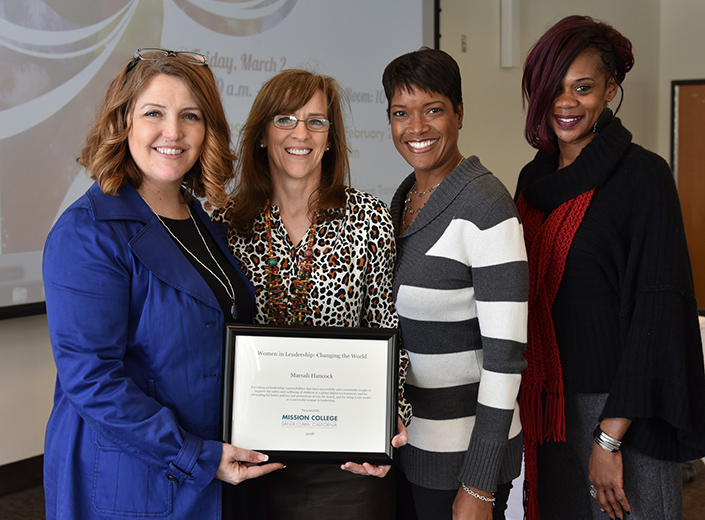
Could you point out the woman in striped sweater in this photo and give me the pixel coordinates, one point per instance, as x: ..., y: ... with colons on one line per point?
x: 461, y: 289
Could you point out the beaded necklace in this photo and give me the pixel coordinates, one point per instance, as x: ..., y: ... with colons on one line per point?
x: 413, y: 191
x: 407, y: 203
x: 276, y: 310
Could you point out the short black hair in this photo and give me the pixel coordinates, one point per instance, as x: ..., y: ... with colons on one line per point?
x: 429, y: 70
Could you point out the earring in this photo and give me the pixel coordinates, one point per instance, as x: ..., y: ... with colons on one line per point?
x: 605, y: 117
x: 327, y: 148
x: 262, y: 145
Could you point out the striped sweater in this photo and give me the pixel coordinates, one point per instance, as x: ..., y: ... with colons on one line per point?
x: 461, y: 290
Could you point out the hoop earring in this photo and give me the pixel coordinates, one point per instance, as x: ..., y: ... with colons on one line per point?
x: 621, y: 98
x: 605, y: 118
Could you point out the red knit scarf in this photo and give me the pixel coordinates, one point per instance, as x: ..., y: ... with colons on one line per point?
x: 547, y: 244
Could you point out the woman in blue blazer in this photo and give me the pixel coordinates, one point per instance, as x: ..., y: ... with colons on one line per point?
x: 139, y: 286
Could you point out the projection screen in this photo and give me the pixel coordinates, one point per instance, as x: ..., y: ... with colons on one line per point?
x: 58, y: 56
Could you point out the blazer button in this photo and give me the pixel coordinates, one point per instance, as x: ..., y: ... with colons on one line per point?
x: 173, y: 479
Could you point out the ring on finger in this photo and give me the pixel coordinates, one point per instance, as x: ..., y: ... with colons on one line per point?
x: 593, y: 491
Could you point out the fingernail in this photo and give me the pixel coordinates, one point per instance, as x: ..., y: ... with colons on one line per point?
x: 263, y: 458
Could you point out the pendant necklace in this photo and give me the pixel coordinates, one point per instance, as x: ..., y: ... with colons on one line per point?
x: 228, y: 288
x: 413, y: 191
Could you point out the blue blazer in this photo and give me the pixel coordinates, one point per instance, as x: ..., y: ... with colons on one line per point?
x: 138, y: 340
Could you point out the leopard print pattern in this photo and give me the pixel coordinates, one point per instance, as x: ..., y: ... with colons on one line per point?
x: 353, y: 262
x: 403, y: 406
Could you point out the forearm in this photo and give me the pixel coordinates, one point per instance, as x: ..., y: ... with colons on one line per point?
x: 615, y: 427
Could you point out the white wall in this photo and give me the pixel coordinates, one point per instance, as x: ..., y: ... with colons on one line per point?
x: 494, y: 118
x: 668, y: 45
x: 27, y: 377
x: 681, y: 56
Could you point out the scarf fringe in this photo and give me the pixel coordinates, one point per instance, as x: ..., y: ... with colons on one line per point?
x: 554, y: 419
x: 539, y: 426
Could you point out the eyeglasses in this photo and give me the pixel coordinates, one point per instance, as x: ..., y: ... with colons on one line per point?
x: 314, y: 124
x: 194, y: 58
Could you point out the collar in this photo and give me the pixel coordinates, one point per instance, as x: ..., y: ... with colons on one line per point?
x: 154, y: 246
x: 127, y: 205
x: 446, y: 192
x: 546, y: 187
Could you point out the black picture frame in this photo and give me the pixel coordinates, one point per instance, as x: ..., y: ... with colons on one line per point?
x: 289, y: 340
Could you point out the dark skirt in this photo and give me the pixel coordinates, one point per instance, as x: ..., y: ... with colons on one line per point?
x: 325, y: 492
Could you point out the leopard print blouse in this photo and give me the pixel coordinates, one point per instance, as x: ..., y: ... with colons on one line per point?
x: 353, y: 264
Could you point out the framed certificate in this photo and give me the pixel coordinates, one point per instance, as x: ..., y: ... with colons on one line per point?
x: 311, y: 394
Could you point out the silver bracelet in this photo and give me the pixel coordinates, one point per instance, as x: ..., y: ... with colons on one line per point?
x: 606, y: 442
x: 478, y: 495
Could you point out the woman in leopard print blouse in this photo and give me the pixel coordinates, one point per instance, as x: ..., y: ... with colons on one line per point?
x: 296, y: 222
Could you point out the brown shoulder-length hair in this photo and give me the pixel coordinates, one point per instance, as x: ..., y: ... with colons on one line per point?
x: 106, y: 155
x: 549, y: 60
x: 284, y: 94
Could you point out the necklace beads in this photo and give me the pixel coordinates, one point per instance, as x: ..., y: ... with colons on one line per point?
x: 407, y: 203
x: 293, y: 310
x: 413, y: 191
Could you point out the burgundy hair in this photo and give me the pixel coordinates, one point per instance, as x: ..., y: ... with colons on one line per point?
x: 549, y: 60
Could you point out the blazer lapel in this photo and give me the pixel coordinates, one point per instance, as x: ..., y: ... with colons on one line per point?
x: 160, y: 254
x: 151, y: 243
x: 219, y: 232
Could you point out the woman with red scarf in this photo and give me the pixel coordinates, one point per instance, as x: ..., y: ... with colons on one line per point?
x: 613, y: 394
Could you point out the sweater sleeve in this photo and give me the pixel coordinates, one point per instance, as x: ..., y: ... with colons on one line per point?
x: 660, y: 374
x: 500, y: 281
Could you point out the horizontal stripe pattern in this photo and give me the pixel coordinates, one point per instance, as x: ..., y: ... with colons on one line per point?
x: 500, y: 244
x: 419, y: 303
x: 443, y: 403
x: 465, y: 242
x: 441, y: 436
x: 441, y: 337
x: 443, y: 370
x: 498, y: 390
x: 461, y: 289
x: 503, y: 320
x: 452, y: 435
